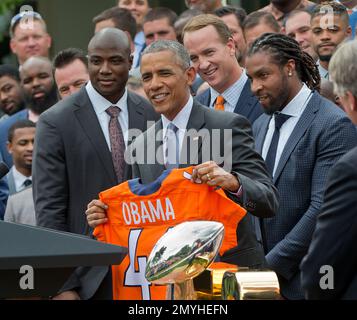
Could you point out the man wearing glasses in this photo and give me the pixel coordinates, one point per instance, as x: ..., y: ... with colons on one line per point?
x: 29, y: 36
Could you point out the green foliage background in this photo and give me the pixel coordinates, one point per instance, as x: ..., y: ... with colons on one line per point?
x: 6, y: 5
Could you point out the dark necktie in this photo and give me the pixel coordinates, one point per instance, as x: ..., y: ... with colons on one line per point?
x: 27, y: 183
x: 271, y: 155
x: 116, y: 142
x: 172, y: 150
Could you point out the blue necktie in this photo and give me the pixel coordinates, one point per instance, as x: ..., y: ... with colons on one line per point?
x: 280, y: 119
x: 172, y: 150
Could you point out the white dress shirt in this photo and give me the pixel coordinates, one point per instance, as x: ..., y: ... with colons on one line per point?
x: 231, y: 95
x: 100, y: 104
x: 295, y: 108
x: 19, y: 179
x: 323, y: 72
x: 180, y: 122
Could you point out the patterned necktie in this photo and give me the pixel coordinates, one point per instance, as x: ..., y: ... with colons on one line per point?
x: 116, y: 142
x: 172, y: 150
x: 219, y: 105
x: 271, y: 155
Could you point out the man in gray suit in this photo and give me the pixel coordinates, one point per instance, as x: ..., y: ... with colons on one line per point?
x: 300, y: 137
x: 167, y: 75
x: 333, y: 247
x: 20, y: 145
x: 79, y: 147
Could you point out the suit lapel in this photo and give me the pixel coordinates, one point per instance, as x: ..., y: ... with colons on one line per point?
x: 245, y: 102
x: 88, y: 120
x: 260, y: 136
x: 195, y: 123
x: 136, y: 113
x: 303, y: 124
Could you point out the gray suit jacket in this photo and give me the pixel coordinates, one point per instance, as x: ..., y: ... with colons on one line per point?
x: 259, y: 195
x: 334, y: 239
x: 322, y: 135
x: 72, y: 164
x: 20, y: 208
x: 11, y: 182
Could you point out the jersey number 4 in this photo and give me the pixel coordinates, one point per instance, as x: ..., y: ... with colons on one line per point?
x: 136, y: 278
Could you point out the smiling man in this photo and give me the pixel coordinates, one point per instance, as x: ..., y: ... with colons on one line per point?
x: 84, y: 138
x: 330, y: 27
x: 167, y: 76
x: 213, y: 54
x: 70, y: 71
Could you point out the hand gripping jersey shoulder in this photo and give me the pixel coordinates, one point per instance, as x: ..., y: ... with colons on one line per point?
x: 138, y: 215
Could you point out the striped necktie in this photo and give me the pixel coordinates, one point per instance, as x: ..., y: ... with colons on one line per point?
x: 172, y: 150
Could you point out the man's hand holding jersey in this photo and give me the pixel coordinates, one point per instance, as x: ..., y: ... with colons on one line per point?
x: 215, y: 176
x: 208, y: 173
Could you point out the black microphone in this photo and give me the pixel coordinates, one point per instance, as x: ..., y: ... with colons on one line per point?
x: 4, y: 169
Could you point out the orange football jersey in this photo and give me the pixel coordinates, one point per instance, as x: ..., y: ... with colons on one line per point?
x: 138, y: 215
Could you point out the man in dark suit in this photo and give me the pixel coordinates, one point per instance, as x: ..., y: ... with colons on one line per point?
x: 80, y: 143
x: 167, y: 75
x: 301, y: 136
x: 334, y: 240
x: 213, y: 55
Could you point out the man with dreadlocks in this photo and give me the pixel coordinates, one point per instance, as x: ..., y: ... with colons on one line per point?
x: 300, y: 136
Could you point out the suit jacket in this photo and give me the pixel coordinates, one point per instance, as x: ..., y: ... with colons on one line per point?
x: 4, y: 194
x: 72, y: 164
x: 11, y: 182
x: 4, y: 130
x: 20, y: 208
x: 322, y: 135
x: 259, y: 195
x: 247, y: 105
x: 334, y: 239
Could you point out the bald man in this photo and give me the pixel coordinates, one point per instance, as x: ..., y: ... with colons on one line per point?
x: 40, y: 94
x: 80, y: 137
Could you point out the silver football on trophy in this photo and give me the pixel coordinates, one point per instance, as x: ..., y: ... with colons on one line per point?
x: 184, y: 252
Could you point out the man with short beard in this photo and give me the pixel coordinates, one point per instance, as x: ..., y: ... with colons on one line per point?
x: 11, y: 95
x: 327, y: 33
x: 300, y: 136
x: 40, y: 94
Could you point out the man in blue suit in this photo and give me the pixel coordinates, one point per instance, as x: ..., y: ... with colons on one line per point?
x: 300, y: 136
x: 213, y: 54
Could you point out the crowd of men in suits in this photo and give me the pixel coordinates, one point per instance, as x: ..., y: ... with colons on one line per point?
x: 67, y: 128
